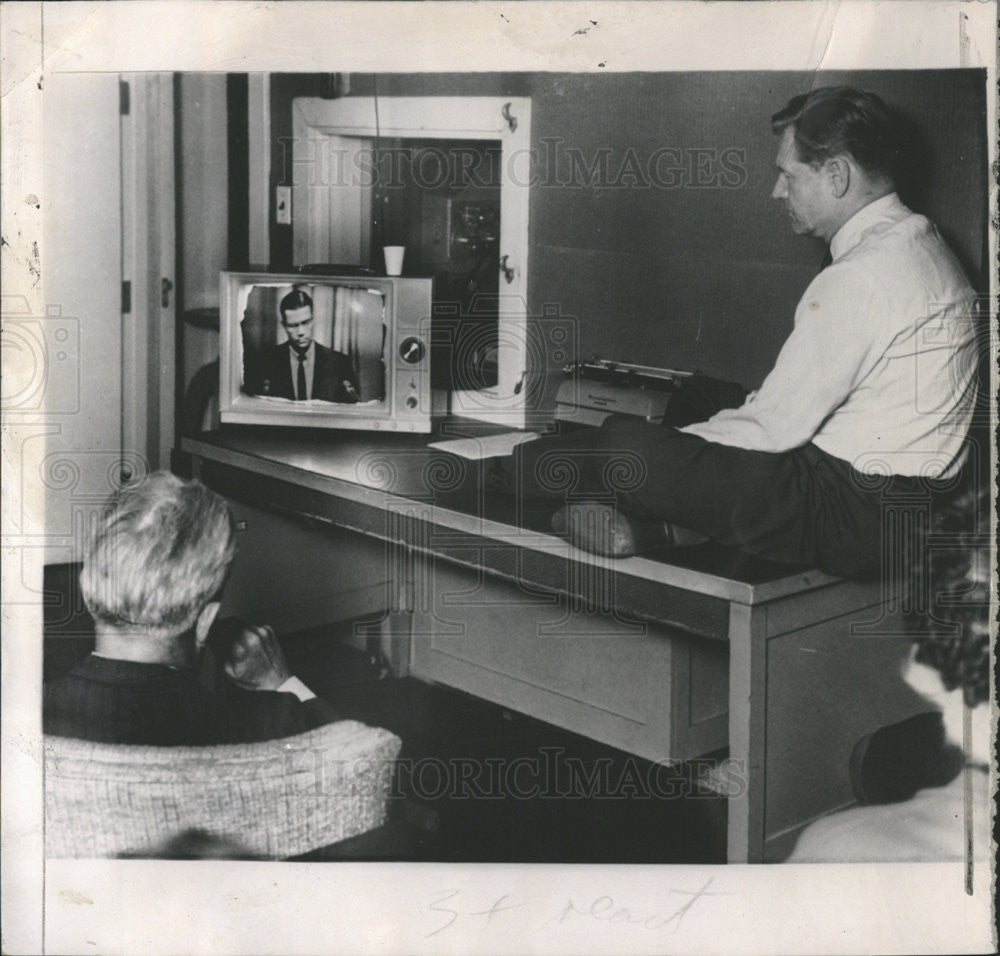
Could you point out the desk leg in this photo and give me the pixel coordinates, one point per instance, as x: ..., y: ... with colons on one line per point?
x: 747, y: 732
x: 394, y: 637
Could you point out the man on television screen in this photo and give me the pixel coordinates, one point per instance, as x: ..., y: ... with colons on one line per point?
x: 300, y: 368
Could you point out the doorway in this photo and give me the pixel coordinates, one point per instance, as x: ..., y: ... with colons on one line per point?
x: 446, y: 177
x: 440, y: 199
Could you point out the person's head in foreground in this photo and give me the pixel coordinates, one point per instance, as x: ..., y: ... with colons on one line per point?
x: 154, y: 569
x: 837, y: 152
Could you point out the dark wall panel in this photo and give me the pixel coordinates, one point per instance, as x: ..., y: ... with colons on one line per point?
x: 696, y: 266
x: 662, y: 239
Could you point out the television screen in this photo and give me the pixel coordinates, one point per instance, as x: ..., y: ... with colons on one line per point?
x: 313, y: 342
x: 325, y: 351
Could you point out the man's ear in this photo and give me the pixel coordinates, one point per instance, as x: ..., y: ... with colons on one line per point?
x: 204, y: 623
x: 838, y: 171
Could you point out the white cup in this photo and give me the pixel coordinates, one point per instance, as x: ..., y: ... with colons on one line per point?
x: 393, y: 259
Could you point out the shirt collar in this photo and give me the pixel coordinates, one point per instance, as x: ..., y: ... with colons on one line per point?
x: 885, y: 209
x: 98, y: 665
x: 309, y: 353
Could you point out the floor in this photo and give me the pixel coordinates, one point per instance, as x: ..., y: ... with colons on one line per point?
x: 478, y: 783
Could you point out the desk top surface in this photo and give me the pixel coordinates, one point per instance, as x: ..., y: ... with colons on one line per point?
x: 385, y: 469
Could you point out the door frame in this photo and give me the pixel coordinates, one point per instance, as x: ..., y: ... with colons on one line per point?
x: 316, y: 124
x: 148, y: 264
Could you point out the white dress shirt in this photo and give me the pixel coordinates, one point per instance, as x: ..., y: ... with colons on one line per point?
x: 879, y: 370
x: 294, y: 686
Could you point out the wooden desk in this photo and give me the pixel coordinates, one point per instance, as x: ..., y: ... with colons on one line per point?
x: 670, y: 656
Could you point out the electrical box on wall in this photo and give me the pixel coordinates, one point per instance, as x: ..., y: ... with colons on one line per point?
x: 456, y: 231
x: 283, y: 205
x: 475, y: 226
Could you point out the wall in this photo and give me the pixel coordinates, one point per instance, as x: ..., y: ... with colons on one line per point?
x: 203, y: 210
x: 707, y: 276
x: 202, y: 185
x: 77, y: 452
x: 686, y: 262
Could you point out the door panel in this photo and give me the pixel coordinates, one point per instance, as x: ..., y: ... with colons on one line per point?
x: 148, y: 253
x: 77, y: 462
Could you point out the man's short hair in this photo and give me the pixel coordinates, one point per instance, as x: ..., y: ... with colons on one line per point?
x: 840, y: 120
x: 160, y: 553
x: 296, y: 299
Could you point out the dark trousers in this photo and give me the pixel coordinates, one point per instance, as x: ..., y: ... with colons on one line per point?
x: 800, y: 507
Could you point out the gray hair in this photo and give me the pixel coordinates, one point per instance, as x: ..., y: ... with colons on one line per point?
x: 160, y: 553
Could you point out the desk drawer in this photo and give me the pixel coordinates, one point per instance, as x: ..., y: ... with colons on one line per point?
x: 648, y: 690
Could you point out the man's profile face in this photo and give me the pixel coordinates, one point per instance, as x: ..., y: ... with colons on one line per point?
x: 804, y: 190
x: 298, y: 324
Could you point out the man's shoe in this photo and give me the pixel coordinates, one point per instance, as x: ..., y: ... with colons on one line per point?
x: 601, y: 528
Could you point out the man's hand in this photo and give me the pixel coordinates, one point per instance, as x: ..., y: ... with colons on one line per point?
x: 256, y: 660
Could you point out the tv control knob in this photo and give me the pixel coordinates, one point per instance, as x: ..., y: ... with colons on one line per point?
x: 411, y: 350
x: 411, y: 401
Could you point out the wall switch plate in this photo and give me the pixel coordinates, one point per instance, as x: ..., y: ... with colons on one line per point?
x: 283, y: 205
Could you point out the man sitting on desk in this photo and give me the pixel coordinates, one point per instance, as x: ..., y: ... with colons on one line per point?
x: 874, y: 387
x: 301, y: 368
x: 151, y: 580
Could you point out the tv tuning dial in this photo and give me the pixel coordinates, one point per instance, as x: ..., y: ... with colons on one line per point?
x: 411, y: 350
x: 411, y: 401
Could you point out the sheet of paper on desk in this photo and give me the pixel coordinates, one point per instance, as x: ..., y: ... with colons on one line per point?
x: 489, y: 446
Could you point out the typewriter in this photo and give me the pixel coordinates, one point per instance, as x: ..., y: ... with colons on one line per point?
x: 593, y: 390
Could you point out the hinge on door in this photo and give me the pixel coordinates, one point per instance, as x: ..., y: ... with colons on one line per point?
x: 123, y: 98
x: 126, y: 297
x: 509, y: 117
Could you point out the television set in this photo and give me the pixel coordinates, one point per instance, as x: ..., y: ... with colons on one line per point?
x: 325, y: 351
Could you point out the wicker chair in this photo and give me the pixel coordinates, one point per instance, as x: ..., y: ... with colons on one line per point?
x: 275, y: 799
